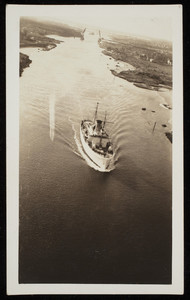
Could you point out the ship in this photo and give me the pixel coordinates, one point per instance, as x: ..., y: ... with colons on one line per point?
x: 96, y: 142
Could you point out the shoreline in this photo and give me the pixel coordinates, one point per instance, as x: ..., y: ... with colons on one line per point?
x: 34, y: 34
x: 146, y: 73
x: 144, y: 82
x: 140, y: 73
x: 25, y: 62
x: 169, y: 135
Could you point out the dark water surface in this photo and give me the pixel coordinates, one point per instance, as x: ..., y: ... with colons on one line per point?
x: 78, y: 225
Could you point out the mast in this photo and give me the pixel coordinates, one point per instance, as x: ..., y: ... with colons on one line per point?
x: 103, y: 127
x: 96, y: 112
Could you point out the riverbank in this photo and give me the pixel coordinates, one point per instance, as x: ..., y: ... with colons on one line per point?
x: 142, y: 79
x: 132, y: 60
x: 35, y: 33
x: 151, y: 61
x: 169, y: 135
x: 24, y: 62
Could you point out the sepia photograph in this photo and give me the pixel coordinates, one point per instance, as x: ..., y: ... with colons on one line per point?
x: 94, y: 127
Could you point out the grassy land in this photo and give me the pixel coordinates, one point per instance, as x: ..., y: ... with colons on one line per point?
x: 152, y: 60
x: 34, y: 33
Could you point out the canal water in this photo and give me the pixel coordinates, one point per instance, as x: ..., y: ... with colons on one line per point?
x: 79, y: 225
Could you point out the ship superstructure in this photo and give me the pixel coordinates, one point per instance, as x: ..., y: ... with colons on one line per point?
x: 96, y: 142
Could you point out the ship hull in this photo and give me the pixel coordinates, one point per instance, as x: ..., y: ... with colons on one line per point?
x: 100, y: 161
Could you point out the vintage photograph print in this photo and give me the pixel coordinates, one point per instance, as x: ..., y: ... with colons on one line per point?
x: 94, y: 135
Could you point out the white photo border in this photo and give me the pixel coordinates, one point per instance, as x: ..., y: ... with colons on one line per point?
x: 13, y: 14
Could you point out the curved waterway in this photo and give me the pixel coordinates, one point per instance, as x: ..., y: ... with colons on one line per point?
x: 78, y: 225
